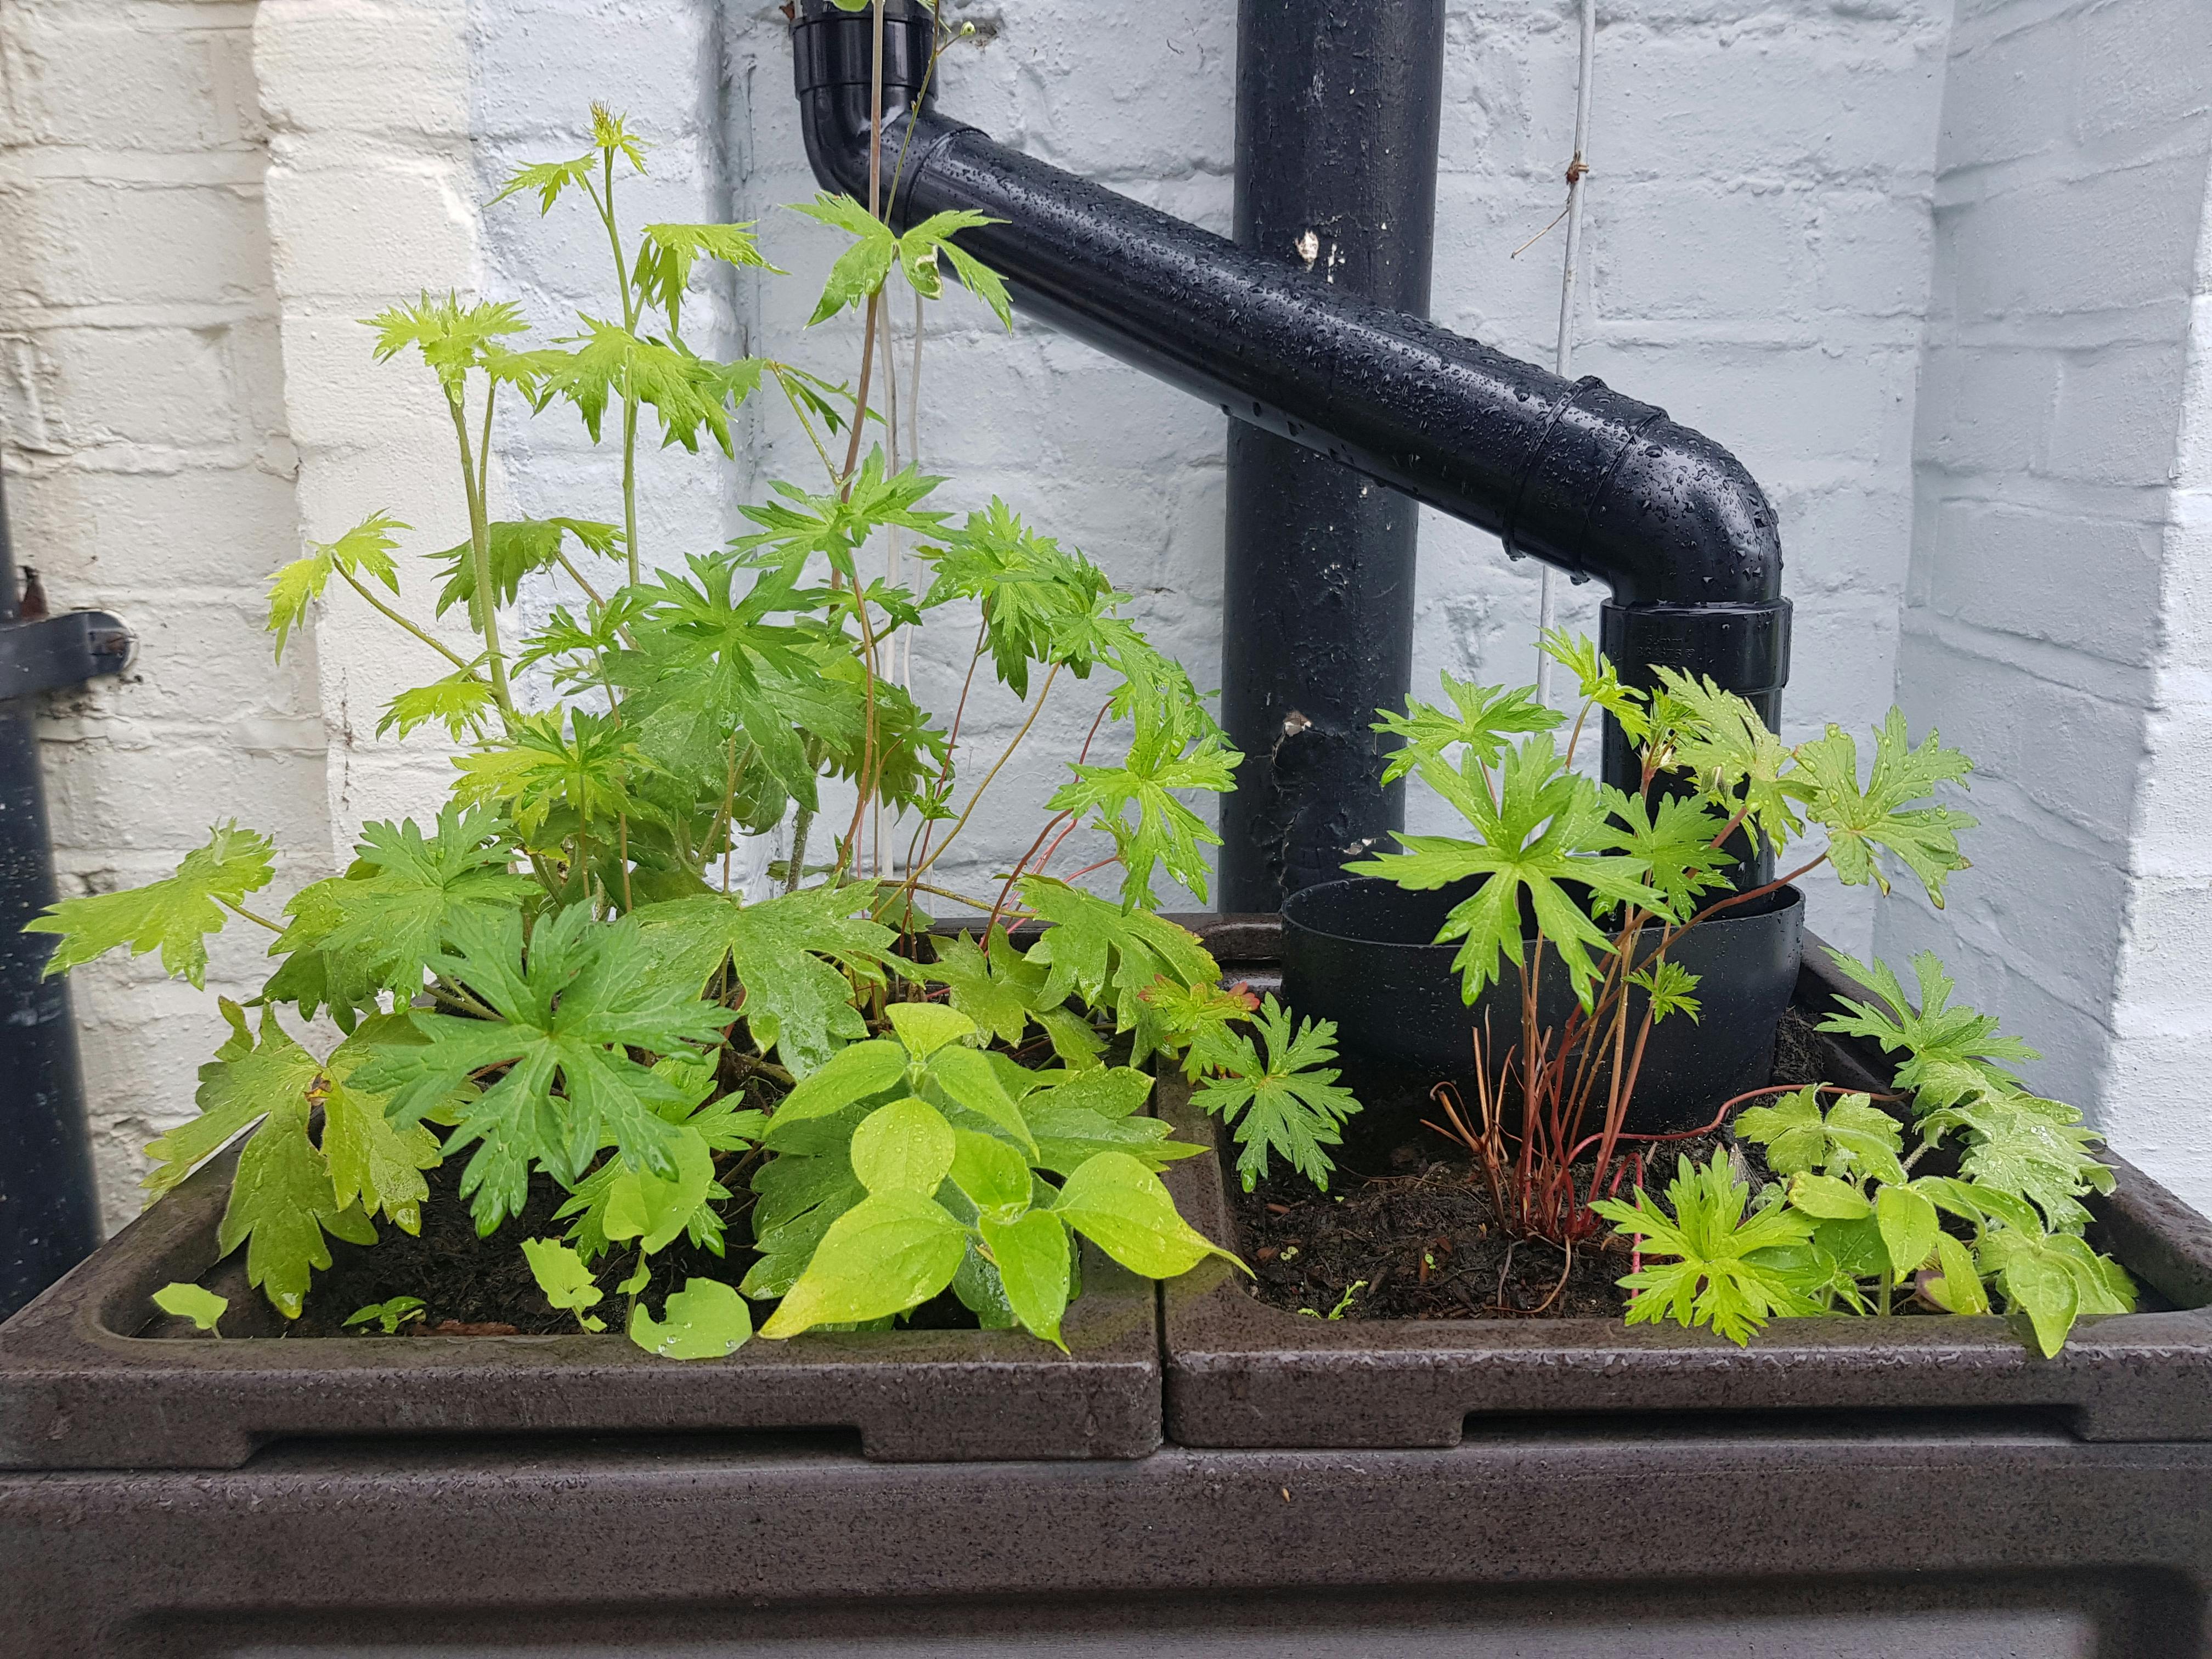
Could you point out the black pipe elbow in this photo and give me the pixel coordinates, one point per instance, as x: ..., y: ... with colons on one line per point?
x: 833, y: 56
x: 1574, y: 473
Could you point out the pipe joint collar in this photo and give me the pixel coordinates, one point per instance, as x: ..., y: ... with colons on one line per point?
x: 1744, y: 647
x: 831, y: 47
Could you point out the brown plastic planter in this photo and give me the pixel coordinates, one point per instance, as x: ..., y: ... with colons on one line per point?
x: 81, y: 1389
x: 1240, y: 1373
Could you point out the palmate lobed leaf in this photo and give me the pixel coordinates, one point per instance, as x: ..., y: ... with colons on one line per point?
x: 792, y: 955
x: 686, y: 391
x: 666, y: 252
x: 282, y: 1200
x: 919, y: 247
x: 463, y: 702
x: 566, y: 758
x: 1720, y: 738
x: 860, y: 269
x: 571, y: 1007
x: 1108, y: 956
x: 1863, y: 822
x: 1026, y: 584
x: 174, y: 915
x: 1672, y: 838
x: 1729, y: 1271
x: 1545, y: 826
x: 374, y: 928
x: 365, y: 549
x: 1287, y: 1105
x: 799, y: 524
x: 1952, y: 1053
x: 995, y: 988
x: 1597, y: 681
x: 1166, y: 831
x: 1199, y: 1021
x: 1853, y: 1138
x: 517, y: 547
x: 1482, y: 718
x: 2031, y: 1147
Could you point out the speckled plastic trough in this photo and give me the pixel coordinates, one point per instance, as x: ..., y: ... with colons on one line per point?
x: 1240, y: 1373
x: 80, y: 1389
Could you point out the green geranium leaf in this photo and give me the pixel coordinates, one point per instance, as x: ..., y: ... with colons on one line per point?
x: 791, y: 955
x: 571, y: 1009
x: 1288, y: 1105
x: 1729, y: 1270
x: 1880, y: 818
x: 174, y: 915
x: 1952, y: 1053
x: 1545, y: 826
x: 363, y: 550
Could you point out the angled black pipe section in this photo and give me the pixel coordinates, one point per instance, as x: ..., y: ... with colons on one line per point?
x: 1592, y: 482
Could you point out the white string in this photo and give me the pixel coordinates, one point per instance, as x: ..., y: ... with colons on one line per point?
x: 1563, y: 355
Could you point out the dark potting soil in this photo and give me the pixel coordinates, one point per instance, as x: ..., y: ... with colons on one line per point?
x: 482, y: 1286
x: 471, y: 1282
x: 472, y: 1286
x: 1424, y: 1244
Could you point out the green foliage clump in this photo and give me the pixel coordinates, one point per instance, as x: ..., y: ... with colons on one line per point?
x: 555, y: 981
x: 1612, y: 879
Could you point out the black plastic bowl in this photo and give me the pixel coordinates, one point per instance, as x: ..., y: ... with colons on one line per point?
x: 1359, y: 952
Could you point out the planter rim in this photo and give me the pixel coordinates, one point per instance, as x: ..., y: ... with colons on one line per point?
x: 79, y: 1388
x: 1782, y: 899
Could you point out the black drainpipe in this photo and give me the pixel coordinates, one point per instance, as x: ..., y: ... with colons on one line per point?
x: 1336, y: 174
x: 49, y: 1213
x: 1571, y: 472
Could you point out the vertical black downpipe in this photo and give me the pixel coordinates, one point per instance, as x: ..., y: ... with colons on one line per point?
x: 49, y: 1220
x: 1336, y: 170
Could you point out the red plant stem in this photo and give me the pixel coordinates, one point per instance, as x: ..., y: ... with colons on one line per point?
x: 1719, y: 905
x: 1014, y: 875
x: 1721, y: 1116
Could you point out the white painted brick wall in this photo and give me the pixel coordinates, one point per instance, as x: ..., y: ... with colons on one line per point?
x: 1931, y: 278
x: 149, y: 472
x: 2071, y: 184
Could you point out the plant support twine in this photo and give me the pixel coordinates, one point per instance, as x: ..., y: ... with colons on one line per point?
x: 1563, y: 354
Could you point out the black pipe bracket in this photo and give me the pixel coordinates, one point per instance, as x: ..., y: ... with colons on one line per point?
x: 50, y: 653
